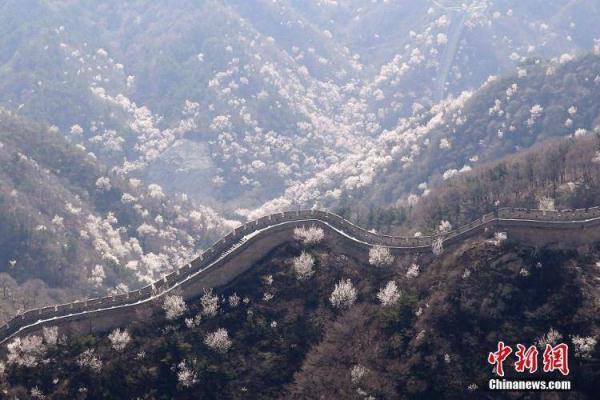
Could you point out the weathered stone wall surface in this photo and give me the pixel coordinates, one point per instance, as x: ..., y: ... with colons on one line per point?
x: 242, y: 248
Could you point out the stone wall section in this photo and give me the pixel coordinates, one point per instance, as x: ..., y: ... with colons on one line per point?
x: 239, y: 250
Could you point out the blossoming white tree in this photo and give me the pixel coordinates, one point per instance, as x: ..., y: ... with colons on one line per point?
x: 389, y: 295
x: 584, y: 346
x: 303, y: 266
x: 343, y: 295
x: 36, y: 393
x: 535, y: 113
x: 209, y: 303
x: 97, y: 275
x: 193, y: 322
x: 119, y: 339
x: 413, y: 271
x: 50, y: 335
x: 174, y: 306
x: 89, y: 359
x: 308, y: 236
x: 233, y: 300
x: 551, y: 337
x: 155, y: 191
x: 186, y: 376
x: 472, y: 387
x: 380, y: 256
x: 444, y: 227
x: 218, y: 341
x: 357, y: 373
x: 103, y: 183
x: 499, y: 238
x: 27, y: 351
x: 76, y: 130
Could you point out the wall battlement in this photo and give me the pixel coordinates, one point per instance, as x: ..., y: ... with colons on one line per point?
x: 220, y: 263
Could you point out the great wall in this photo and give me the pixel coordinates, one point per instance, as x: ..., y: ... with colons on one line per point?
x: 247, y: 244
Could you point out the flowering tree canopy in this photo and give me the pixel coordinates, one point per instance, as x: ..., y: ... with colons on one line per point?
x: 303, y: 266
x: 218, y: 340
x: 174, y: 306
x: 343, y: 295
x: 389, y: 295
x: 308, y: 236
x: 119, y: 339
x: 380, y: 256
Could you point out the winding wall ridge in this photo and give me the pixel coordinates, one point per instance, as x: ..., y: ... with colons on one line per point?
x: 230, y: 246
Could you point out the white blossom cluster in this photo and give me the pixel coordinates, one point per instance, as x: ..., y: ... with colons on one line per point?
x: 27, y: 351
x: 309, y: 236
x: 162, y: 245
x: 218, y: 341
x: 174, y: 306
x: 343, y: 295
x: 359, y: 169
x: 380, y: 256
x: 389, y: 295
x: 584, y: 346
x: 337, y: 140
x: 159, y: 245
x: 303, y: 266
x: 338, y: 137
x: 89, y: 359
x: 119, y: 339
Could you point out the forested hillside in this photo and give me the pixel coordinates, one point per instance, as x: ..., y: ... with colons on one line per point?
x: 134, y: 134
x: 310, y: 321
x: 71, y: 228
x: 285, y: 105
x: 255, y: 107
x: 565, y: 171
x: 505, y: 116
x: 557, y: 174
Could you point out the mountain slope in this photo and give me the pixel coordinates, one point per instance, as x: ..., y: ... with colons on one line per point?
x: 505, y: 116
x: 234, y: 103
x: 560, y: 173
x: 284, y: 338
x: 75, y: 229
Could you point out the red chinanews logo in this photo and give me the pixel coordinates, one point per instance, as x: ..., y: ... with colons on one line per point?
x: 555, y: 358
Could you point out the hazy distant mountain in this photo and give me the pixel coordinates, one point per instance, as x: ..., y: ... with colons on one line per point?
x: 234, y: 102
